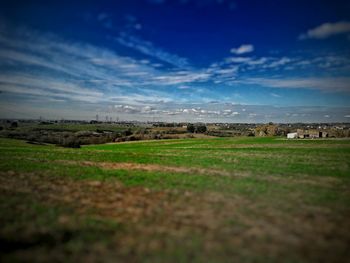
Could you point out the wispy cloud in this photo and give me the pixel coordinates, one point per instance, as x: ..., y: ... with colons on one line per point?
x: 149, y: 49
x: 327, y: 30
x: 260, y: 62
x: 45, y: 65
x: 325, y: 84
x: 275, y: 95
x: 181, y: 77
x: 238, y: 59
x: 246, y: 48
x: 48, y: 87
x: 243, y: 67
x: 279, y: 62
x: 41, y: 70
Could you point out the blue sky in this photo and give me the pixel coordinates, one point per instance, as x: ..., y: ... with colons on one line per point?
x: 180, y: 60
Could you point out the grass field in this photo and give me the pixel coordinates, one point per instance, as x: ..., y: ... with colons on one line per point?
x: 193, y: 200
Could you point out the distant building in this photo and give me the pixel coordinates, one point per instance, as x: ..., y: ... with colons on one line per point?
x: 292, y: 135
x: 311, y: 133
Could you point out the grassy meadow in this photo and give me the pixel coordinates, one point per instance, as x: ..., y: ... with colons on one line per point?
x: 241, y: 199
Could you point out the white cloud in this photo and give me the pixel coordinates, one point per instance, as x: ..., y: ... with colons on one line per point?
x: 279, y: 62
x: 330, y: 84
x: 238, y: 59
x: 148, y: 109
x: 246, y: 48
x: 275, y: 95
x: 327, y: 30
x: 180, y: 77
x: 126, y: 109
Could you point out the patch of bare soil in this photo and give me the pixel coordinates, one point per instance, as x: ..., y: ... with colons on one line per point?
x: 109, y: 199
x: 148, y: 167
x: 201, y: 226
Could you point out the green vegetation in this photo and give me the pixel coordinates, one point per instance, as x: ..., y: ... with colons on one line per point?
x: 191, y: 200
x: 68, y: 135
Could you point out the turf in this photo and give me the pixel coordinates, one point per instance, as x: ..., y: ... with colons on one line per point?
x: 193, y: 200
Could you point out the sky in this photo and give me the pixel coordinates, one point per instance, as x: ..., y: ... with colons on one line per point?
x: 176, y: 60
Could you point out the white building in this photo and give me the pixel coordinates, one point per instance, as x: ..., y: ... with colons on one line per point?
x: 292, y: 135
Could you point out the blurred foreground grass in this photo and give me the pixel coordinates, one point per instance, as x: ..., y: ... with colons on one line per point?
x: 193, y: 200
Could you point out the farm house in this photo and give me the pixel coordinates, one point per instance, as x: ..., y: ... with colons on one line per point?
x: 311, y: 134
x: 292, y: 135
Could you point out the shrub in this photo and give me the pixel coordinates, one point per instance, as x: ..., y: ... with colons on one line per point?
x: 191, y: 128
x: 127, y: 132
x: 201, y: 128
x: 70, y: 142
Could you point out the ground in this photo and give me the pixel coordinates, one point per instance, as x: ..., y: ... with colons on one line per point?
x: 192, y: 200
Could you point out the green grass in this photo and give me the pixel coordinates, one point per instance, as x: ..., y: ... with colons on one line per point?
x: 273, y: 175
x: 260, y: 167
x: 260, y: 158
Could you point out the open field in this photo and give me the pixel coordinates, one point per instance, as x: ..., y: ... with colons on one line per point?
x: 191, y: 200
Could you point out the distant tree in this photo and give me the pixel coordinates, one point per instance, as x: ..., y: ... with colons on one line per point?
x: 127, y: 132
x: 71, y: 142
x: 271, y: 130
x: 266, y: 130
x: 14, y: 124
x: 191, y: 128
x: 201, y: 129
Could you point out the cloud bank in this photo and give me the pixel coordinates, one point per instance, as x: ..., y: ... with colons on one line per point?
x: 327, y: 30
